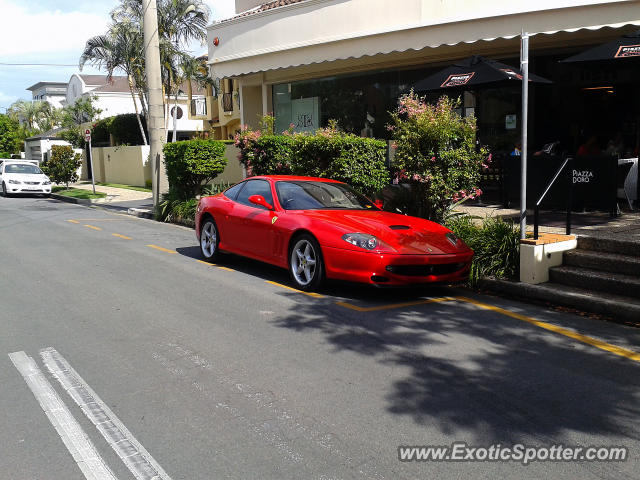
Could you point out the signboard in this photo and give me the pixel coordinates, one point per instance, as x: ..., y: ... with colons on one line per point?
x: 305, y: 114
x: 87, y: 135
x: 510, y: 122
x: 457, y: 80
x: 628, y: 51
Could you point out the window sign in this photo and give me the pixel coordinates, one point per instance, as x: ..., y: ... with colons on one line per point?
x: 510, y: 122
x: 305, y: 114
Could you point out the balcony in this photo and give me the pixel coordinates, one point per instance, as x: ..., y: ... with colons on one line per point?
x: 199, y: 107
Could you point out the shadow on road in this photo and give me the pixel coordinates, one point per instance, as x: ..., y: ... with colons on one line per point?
x: 483, y: 375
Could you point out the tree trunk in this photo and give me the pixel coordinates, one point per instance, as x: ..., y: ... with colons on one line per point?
x: 135, y: 105
x: 175, y: 116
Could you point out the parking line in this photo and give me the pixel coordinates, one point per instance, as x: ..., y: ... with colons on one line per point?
x: 206, y: 263
x: 350, y: 306
x: 311, y: 294
x: 73, y: 221
x: 73, y: 436
x: 137, y: 459
x: 226, y: 268
x: 121, y: 236
x: 594, y: 342
x: 92, y: 227
x: 162, y: 249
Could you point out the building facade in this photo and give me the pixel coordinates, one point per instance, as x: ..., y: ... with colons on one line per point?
x: 53, y: 92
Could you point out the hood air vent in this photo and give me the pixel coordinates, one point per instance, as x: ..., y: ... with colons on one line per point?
x: 399, y: 227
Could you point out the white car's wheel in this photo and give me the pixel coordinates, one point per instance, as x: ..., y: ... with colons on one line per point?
x: 4, y: 190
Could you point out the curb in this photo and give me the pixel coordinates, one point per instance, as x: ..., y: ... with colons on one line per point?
x: 78, y: 201
x: 140, y: 212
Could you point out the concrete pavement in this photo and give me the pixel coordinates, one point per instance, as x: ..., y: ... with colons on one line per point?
x: 219, y: 373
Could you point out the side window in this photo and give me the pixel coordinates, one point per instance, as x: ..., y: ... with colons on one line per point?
x: 232, y: 192
x: 255, y: 187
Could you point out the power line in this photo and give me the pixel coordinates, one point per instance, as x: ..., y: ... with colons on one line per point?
x: 39, y: 64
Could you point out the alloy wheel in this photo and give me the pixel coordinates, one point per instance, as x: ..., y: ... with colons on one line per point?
x: 303, y: 262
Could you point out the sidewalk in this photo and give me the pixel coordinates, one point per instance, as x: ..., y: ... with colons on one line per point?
x: 596, y: 224
x: 122, y: 199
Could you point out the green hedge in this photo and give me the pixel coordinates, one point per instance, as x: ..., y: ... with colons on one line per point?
x: 124, y: 128
x: 191, y: 163
x: 358, y: 161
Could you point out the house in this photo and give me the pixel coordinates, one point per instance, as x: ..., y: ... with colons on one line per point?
x: 113, y: 97
x: 38, y: 147
x: 309, y: 61
x: 53, y: 92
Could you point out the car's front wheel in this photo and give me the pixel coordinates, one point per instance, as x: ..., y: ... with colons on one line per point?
x: 4, y: 190
x: 305, y: 263
x: 209, y: 240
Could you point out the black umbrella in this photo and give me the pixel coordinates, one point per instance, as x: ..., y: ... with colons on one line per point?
x: 627, y: 46
x: 475, y: 70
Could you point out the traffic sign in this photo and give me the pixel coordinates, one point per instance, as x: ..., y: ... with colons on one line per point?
x: 87, y: 135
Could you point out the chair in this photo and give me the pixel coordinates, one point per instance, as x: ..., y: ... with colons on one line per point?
x: 621, y: 176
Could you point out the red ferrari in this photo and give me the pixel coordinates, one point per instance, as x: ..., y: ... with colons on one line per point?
x: 319, y: 228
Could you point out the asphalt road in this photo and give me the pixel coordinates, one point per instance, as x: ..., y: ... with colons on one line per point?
x: 216, y: 373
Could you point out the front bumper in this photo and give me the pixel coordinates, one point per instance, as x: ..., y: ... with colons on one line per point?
x: 396, y: 269
x: 22, y: 188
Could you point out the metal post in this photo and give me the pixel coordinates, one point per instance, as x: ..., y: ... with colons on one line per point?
x: 524, y: 68
x: 93, y: 183
x: 536, y: 221
x: 157, y: 132
x: 569, y: 202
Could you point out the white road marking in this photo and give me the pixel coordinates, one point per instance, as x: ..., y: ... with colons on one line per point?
x: 79, y: 445
x: 133, y: 454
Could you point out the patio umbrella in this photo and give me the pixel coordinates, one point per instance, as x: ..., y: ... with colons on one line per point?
x: 625, y: 47
x: 473, y: 71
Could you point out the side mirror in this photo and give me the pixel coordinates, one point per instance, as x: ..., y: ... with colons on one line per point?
x: 259, y: 200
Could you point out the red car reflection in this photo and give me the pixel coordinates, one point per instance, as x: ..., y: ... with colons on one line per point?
x: 319, y: 228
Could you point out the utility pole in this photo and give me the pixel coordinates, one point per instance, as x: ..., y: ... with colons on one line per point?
x: 157, y: 132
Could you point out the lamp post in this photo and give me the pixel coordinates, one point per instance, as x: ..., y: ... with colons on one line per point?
x: 524, y: 68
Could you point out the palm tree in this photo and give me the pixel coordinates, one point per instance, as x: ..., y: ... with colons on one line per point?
x: 119, y: 49
x: 36, y: 115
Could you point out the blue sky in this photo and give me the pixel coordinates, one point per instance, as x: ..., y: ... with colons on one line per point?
x: 55, y: 31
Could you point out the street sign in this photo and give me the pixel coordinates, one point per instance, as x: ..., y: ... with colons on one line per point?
x: 87, y: 135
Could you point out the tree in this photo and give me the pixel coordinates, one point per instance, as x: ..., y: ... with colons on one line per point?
x: 37, y: 116
x: 436, y: 154
x: 120, y: 49
x: 63, y: 165
x: 74, y: 115
x: 10, y: 138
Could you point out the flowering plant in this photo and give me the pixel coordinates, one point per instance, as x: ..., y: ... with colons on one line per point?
x: 436, y: 153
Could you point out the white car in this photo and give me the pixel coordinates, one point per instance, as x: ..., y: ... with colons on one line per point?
x: 23, y: 177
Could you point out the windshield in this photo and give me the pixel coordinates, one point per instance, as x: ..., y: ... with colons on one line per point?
x: 308, y: 195
x: 22, y: 168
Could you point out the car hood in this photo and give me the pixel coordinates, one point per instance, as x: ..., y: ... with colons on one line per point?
x: 21, y: 177
x: 407, y: 235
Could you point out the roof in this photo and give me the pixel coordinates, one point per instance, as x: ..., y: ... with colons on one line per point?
x: 263, y: 8
x: 120, y: 84
x: 294, y: 178
x: 38, y: 85
x: 96, y: 79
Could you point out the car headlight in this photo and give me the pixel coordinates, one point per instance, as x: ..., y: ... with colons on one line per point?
x: 362, y: 240
x: 453, y: 238
x: 15, y: 182
x: 46, y: 182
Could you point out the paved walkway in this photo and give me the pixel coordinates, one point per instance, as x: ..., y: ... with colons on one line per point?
x: 114, y: 194
x: 625, y: 227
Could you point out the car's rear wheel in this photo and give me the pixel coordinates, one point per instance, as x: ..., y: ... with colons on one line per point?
x: 305, y: 263
x: 209, y: 240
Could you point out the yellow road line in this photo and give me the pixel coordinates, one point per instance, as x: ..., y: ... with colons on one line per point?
x: 162, y: 249
x: 121, y: 236
x: 594, y: 342
x: 206, y: 263
x: 311, y: 294
x: 350, y: 306
x: 227, y: 269
x: 73, y: 221
x: 92, y: 227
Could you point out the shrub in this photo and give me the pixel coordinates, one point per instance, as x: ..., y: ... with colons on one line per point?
x: 125, y: 129
x: 63, y: 165
x: 496, y: 244
x: 173, y: 208
x: 191, y: 163
x: 435, y: 152
x: 100, y: 132
x: 329, y: 153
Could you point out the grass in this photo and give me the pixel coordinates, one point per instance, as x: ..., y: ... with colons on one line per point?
x: 77, y: 193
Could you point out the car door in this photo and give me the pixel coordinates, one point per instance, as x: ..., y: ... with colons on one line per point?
x: 249, y: 226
